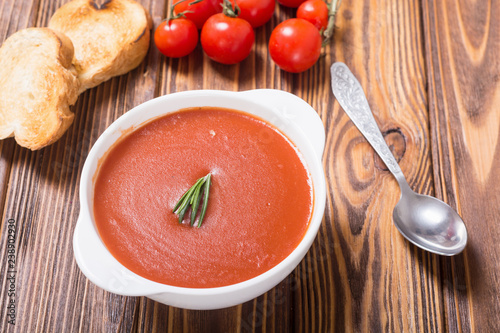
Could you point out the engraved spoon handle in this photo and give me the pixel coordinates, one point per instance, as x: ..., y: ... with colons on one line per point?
x: 351, y: 97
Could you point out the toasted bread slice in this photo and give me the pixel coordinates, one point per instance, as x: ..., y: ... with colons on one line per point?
x: 109, y: 39
x: 38, y: 83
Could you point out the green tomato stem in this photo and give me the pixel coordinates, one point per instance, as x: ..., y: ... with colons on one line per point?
x: 229, y: 10
x: 172, y: 15
x: 328, y: 33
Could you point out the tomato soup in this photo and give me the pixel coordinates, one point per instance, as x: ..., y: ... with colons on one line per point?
x: 259, y: 207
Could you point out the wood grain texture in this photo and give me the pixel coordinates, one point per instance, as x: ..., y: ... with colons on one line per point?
x: 431, y: 72
x: 379, y: 279
x: 463, y: 43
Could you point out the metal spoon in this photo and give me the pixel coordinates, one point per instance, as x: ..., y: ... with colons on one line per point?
x: 425, y: 221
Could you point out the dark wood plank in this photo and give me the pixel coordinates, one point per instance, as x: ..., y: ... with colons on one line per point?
x: 373, y: 279
x: 6, y: 156
x: 462, y: 47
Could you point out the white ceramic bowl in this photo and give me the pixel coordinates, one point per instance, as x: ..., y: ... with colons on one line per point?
x: 293, y: 116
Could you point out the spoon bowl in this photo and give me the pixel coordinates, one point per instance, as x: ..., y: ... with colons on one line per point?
x: 425, y: 221
x: 429, y: 223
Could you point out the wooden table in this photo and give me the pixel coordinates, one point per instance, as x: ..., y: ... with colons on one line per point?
x: 431, y: 70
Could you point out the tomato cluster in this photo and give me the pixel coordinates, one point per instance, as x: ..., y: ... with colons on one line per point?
x: 227, y: 30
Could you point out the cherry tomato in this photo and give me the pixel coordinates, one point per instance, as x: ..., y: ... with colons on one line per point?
x: 295, y: 45
x: 227, y: 40
x: 198, y: 12
x: 256, y: 12
x: 176, y: 38
x: 314, y: 11
x: 291, y: 3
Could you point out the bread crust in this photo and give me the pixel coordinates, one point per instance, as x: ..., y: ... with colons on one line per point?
x: 38, y: 83
x: 43, y: 70
x: 109, y: 39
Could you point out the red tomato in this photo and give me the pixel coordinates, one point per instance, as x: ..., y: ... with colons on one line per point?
x: 199, y: 12
x: 256, y: 12
x: 314, y: 11
x: 176, y: 38
x: 295, y: 45
x: 227, y: 40
x: 291, y: 3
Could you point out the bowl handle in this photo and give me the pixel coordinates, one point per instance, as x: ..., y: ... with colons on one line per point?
x: 100, y: 267
x: 295, y: 110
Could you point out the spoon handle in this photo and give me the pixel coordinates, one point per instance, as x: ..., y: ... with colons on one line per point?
x: 351, y: 97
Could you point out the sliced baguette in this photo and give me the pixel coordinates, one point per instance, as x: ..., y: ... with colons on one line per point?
x: 38, y: 83
x: 109, y: 39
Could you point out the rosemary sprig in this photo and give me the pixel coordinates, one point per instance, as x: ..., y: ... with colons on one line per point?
x: 192, y: 198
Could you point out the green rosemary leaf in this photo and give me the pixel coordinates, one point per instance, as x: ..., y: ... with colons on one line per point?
x: 182, y: 213
x: 196, y: 191
x: 184, y: 204
x: 182, y: 201
x: 195, y: 202
x: 178, y: 204
x: 192, y: 199
x: 205, y: 201
x: 186, y: 197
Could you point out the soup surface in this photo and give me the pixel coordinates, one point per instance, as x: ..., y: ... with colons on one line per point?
x: 259, y: 207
